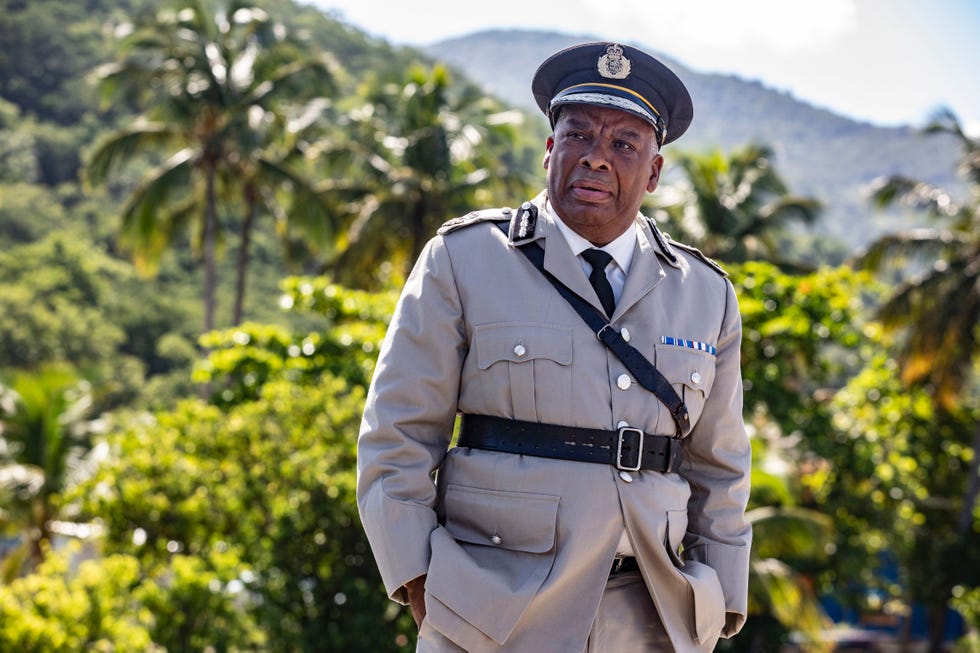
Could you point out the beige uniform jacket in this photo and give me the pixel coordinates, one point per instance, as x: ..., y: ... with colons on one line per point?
x: 517, y: 548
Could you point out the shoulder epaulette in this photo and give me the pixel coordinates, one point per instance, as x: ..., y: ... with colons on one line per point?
x: 666, y: 245
x: 475, y: 217
x: 711, y: 263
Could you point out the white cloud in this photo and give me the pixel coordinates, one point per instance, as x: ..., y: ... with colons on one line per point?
x: 693, y: 24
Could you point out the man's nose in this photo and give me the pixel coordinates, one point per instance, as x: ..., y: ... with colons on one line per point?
x: 596, y: 157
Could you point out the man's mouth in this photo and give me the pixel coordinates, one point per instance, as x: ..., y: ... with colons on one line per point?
x: 589, y: 190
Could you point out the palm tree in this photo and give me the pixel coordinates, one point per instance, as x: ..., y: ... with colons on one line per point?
x: 425, y: 150
x: 788, y: 541
x: 44, y: 439
x: 732, y: 207
x: 777, y: 591
x: 939, y: 302
x: 207, y: 78
x: 936, y: 306
x: 268, y: 182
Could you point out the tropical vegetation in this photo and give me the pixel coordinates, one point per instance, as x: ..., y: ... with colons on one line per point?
x: 177, y: 454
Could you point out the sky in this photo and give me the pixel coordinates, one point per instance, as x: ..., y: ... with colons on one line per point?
x: 887, y: 62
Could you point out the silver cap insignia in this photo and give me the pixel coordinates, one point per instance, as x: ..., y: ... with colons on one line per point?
x: 613, y: 65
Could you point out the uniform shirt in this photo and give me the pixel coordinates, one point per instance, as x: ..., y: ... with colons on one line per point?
x: 621, y: 249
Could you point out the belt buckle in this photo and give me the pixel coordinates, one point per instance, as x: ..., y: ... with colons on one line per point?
x: 639, y: 449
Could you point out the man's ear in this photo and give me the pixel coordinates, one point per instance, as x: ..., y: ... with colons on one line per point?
x: 655, y: 167
x: 550, y: 143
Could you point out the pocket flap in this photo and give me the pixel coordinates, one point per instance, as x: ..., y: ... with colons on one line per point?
x: 518, y: 521
x: 688, y: 367
x: 519, y: 342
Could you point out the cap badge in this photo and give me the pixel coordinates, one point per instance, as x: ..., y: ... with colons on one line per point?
x: 613, y: 65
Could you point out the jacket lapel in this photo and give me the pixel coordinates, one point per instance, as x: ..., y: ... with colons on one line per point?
x: 645, y: 272
x: 565, y: 266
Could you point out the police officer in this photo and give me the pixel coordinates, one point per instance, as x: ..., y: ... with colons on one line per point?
x: 595, y: 499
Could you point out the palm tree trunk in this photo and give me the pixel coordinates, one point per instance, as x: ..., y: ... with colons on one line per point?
x: 243, y: 252
x: 936, y: 614
x: 419, y: 233
x: 208, y: 245
x: 40, y: 533
x: 965, y: 522
x: 936, y: 626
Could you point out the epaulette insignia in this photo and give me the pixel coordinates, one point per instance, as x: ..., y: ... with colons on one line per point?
x: 665, y: 243
x: 662, y: 241
x: 522, y: 226
x: 475, y: 217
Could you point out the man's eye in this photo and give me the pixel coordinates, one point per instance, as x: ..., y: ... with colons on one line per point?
x: 624, y: 145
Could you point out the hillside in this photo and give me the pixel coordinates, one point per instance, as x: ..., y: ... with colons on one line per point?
x: 819, y: 153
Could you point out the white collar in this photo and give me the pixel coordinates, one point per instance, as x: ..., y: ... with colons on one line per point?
x: 621, y: 249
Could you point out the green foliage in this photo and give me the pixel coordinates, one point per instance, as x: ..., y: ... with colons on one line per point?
x: 271, y: 481
x: 898, y: 470
x: 117, y: 602
x: 421, y: 149
x: 803, y: 336
x: 58, y: 609
x: 733, y: 207
x: 18, y: 159
x: 196, y: 604
x: 27, y: 213
x: 967, y: 603
x: 45, y: 437
x: 232, y: 525
x: 937, y: 304
x: 51, y: 296
x: 63, y: 299
x: 245, y: 358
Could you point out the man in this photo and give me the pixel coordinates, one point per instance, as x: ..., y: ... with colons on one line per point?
x: 595, y: 500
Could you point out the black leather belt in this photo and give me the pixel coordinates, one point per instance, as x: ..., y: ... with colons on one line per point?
x: 628, y: 448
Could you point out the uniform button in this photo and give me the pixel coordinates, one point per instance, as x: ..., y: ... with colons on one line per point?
x: 626, y: 476
x: 625, y: 333
x: 624, y: 382
x: 496, y: 539
x: 622, y: 424
x: 520, y: 350
x: 695, y: 378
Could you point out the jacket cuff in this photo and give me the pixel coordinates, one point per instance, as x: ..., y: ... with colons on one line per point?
x: 398, y: 532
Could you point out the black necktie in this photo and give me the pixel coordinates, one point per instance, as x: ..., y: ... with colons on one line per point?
x: 599, y: 259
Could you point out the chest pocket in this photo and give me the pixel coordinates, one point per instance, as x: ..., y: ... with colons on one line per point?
x: 692, y: 374
x: 525, y: 365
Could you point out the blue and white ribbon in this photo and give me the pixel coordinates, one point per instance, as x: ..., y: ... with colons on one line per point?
x: 690, y: 344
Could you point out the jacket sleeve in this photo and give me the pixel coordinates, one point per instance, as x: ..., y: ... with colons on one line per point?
x: 408, y: 420
x: 717, y: 467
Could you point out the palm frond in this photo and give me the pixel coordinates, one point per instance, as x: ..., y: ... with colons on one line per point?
x: 143, y: 227
x: 121, y: 146
x: 776, y: 589
x: 791, y: 530
x: 918, y: 195
x: 309, y: 210
x: 913, y: 244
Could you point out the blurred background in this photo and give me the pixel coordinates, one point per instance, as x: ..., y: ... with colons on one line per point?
x: 208, y: 207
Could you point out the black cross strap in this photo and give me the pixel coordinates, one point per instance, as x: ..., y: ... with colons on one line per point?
x: 643, y: 370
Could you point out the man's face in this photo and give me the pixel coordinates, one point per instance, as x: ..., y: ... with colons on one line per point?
x: 601, y: 163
